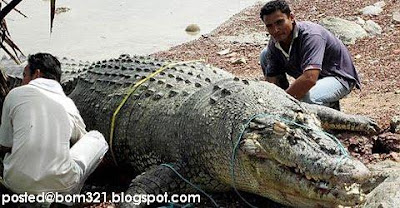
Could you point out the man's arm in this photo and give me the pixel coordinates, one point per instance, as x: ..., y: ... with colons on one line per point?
x: 6, y: 129
x: 303, y: 83
x: 311, y: 63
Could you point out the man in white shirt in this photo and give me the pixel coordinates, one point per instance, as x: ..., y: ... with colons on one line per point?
x: 38, y: 124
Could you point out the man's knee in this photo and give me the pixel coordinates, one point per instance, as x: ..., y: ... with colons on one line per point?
x: 89, y: 150
x: 327, y: 91
x: 312, y: 99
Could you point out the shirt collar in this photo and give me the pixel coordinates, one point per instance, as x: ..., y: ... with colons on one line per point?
x: 295, y: 35
x: 47, y: 84
x: 295, y: 31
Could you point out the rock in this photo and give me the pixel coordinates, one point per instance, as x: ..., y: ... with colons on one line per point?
x: 373, y: 62
x: 192, y: 28
x: 372, y: 28
x: 232, y: 54
x: 396, y: 52
x: 384, y: 184
x: 359, y: 21
x: 380, y: 4
x: 224, y: 52
x: 313, y: 9
x: 241, y: 60
x: 387, y: 142
x: 347, y: 31
x: 395, y: 156
x: 395, y: 125
x: 371, y: 10
x: 357, y: 56
x: 256, y: 38
x: 396, y: 17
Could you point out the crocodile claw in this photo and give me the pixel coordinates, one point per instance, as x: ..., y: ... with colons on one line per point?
x: 371, y: 127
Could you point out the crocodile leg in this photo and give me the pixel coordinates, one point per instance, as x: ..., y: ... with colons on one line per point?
x: 336, y: 120
x: 158, y: 180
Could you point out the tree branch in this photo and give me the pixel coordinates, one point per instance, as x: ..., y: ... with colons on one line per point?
x: 7, y: 9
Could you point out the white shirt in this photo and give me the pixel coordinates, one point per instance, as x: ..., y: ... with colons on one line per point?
x: 38, y: 122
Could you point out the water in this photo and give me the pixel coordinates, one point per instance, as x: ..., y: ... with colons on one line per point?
x: 97, y: 29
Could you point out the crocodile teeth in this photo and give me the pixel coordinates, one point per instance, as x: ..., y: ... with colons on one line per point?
x: 252, y: 136
x: 353, y: 188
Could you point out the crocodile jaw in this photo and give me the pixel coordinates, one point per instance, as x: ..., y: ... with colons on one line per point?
x: 279, y: 183
x: 300, y: 167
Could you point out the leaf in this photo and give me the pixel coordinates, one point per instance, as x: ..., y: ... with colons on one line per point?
x: 7, y: 9
x: 14, y: 47
x: 9, y: 53
x: 5, y: 38
x: 4, y: 89
x: 5, y: 35
x: 52, y: 12
x: 16, y: 9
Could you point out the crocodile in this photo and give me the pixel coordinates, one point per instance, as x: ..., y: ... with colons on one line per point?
x: 217, y: 131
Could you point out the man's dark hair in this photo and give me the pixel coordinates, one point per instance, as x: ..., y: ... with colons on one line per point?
x: 274, y: 6
x: 48, y: 65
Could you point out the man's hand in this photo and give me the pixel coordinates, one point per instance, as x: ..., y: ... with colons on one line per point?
x: 273, y: 80
x: 303, y: 83
x: 279, y: 80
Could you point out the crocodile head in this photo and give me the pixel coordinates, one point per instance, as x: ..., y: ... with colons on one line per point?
x: 295, y: 163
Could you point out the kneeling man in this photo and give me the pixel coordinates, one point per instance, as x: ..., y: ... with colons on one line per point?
x: 38, y: 124
x: 319, y: 61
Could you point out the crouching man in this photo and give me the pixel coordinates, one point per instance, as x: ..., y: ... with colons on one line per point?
x: 38, y: 124
x: 319, y: 61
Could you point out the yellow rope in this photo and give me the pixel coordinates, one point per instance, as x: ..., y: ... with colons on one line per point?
x: 129, y: 93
